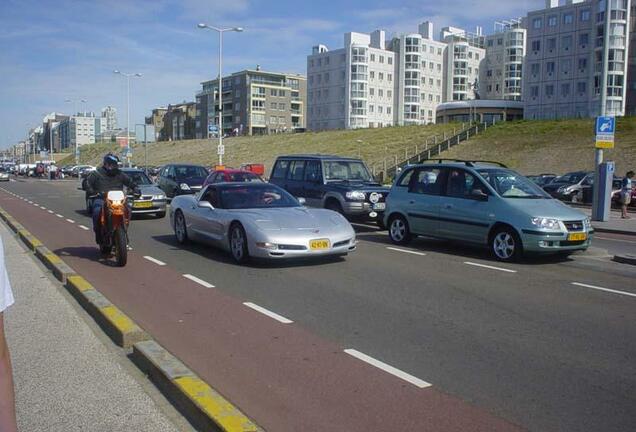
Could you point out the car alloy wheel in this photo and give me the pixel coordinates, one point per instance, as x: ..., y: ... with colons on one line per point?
x: 238, y: 244
x: 399, y: 230
x: 506, y: 245
x: 180, y: 229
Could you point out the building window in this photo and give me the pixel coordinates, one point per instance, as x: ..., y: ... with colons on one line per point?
x: 326, y: 80
x: 551, y: 44
x: 372, y: 75
x: 565, y: 90
x: 389, y: 77
x: 273, y: 105
x: 390, y: 60
x: 371, y: 107
x: 537, y: 23
x: 549, y: 67
x: 584, y: 39
x: 389, y: 93
x: 552, y: 21
x: 534, y: 68
x: 534, y: 91
x: 380, y: 109
x: 568, y: 18
x: 381, y: 76
x: 490, y: 42
x: 388, y: 110
x: 582, y: 64
x: 372, y: 57
x: 566, y: 42
x: 536, y: 45
x: 585, y: 15
x: 549, y: 90
x: 380, y: 93
x: 581, y: 88
x: 326, y: 60
x: 381, y: 59
x: 371, y: 91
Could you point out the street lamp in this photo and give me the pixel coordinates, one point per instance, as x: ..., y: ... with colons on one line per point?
x: 220, y: 149
x: 128, y: 76
x: 74, y: 101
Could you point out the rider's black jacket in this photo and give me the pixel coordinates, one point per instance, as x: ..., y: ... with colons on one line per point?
x: 101, y: 181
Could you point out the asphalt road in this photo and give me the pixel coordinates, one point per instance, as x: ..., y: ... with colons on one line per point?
x: 537, y: 344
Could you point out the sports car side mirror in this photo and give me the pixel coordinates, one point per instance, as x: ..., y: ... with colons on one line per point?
x: 205, y: 205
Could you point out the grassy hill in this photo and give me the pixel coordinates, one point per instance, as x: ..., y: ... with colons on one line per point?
x: 370, y: 144
x: 549, y: 146
x: 527, y: 146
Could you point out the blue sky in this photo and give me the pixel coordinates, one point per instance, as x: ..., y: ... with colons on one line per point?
x: 55, y: 50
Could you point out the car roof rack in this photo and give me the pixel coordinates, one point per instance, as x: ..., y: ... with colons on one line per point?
x: 468, y: 163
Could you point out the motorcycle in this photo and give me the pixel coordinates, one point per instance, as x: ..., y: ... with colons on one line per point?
x: 114, y: 220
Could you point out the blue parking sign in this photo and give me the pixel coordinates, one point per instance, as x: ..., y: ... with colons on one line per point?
x: 605, y: 125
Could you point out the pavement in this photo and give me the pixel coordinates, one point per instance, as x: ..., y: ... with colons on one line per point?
x: 68, y: 376
x: 615, y: 224
x: 435, y: 336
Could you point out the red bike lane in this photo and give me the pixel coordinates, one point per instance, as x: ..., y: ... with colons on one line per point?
x: 282, y: 376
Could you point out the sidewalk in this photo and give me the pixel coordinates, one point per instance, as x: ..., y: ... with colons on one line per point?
x: 615, y: 225
x: 67, y: 377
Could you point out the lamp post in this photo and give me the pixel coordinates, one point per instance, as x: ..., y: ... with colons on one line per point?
x: 128, y: 76
x: 220, y: 150
x: 74, y: 102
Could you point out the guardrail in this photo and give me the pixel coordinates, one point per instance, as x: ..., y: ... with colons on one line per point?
x: 386, y: 170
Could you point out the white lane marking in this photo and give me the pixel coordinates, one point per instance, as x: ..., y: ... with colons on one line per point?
x: 490, y: 267
x: 389, y: 369
x: 616, y: 240
x: 70, y: 221
x: 84, y: 227
x: 156, y: 261
x: 51, y: 211
x: 59, y: 215
x: 604, y: 289
x: 199, y: 281
x: 269, y: 313
x: 43, y: 208
x: 406, y: 251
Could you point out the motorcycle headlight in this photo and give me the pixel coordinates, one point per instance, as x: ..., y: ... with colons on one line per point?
x: 356, y: 195
x: 184, y: 186
x: 545, y: 223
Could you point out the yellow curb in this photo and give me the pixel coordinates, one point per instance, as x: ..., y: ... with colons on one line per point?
x: 79, y: 283
x: 52, y: 259
x: 223, y: 413
x: 118, y: 319
x: 29, y: 239
x: 120, y: 327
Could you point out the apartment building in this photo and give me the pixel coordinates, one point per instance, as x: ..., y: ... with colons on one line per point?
x: 79, y: 130
x: 576, y: 59
x: 501, y: 72
x: 109, y: 116
x: 255, y: 102
x: 464, y: 54
x: 156, y: 120
x: 631, y: 68
x: 179, y: 122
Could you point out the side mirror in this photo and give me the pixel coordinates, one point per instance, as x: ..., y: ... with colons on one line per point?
x: 205, y: 205
x: 479, y: 195
x: 302, y: 201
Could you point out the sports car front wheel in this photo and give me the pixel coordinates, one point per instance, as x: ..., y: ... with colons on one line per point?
x: 238, y: 244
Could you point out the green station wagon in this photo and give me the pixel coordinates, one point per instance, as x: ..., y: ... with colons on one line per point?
x: 483, y: 203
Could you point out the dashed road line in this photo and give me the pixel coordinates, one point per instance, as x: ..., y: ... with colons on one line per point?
x: 406, y: 251
x: 59, y: 215
x: 269, y: 313
x: 604, y: 289
x: 199, y: 281
x: 389, y: 369
x: 51, y: 211
x: 489, y: 267
x: 154, y: 260
x: 70, y: 221
x: 85, y: 228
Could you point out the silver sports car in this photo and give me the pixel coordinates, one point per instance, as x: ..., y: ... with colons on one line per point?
x: 259, y: 220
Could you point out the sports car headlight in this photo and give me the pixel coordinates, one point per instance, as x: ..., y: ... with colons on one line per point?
x: 159, y: 197
x: 545, y: 223
x: 265, y: 245
x: 184, y: 186
x: 356, y: 195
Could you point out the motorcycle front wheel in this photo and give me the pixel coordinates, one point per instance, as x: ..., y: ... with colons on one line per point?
x: 121, y: 247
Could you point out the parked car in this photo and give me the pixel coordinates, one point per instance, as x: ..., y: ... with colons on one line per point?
x: 617, y: 186
x: 76, y: 170
x: 542, y: 179
x: 484, y: 204
x: 259, y: 220
x: 181, y: 179
x: 152, y: 200
x: 570, y: 187
x: 336, y: 183
x: 231, y: 175
x: 4, y: 174
x: 67, y: 169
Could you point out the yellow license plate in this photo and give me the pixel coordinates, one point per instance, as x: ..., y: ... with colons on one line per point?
x: 577, y: 237
x: 142, y: 204
x: 320, y: 244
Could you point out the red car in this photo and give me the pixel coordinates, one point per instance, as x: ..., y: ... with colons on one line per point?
x: 232, y: 175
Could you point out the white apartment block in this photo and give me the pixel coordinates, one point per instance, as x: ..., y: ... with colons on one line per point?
x: 501, y: 73
x: 82, y: 130
x: 576, y: 59
x: 109, y: 116
x: 464, y: 54
x: 351, y: 87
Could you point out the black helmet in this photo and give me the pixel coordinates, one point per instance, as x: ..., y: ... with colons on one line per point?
x: 111, y: 159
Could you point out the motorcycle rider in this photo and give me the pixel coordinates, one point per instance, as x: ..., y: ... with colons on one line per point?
x: 106, y: 178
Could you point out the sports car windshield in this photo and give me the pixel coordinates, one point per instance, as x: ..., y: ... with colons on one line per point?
x: 256, y: 197
x: 509, y: 184
x: 346, y: 170
x: 190, y: 172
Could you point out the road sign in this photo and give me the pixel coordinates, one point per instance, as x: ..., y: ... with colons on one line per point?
x: 220, y: 150
x: 212, y: 128
x: 605, y: 128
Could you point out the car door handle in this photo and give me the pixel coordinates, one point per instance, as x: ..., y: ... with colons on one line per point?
x: 448, y: 206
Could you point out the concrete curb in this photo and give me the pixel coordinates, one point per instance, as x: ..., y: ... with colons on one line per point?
x: 206, y: 409
x: 625, y: 259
